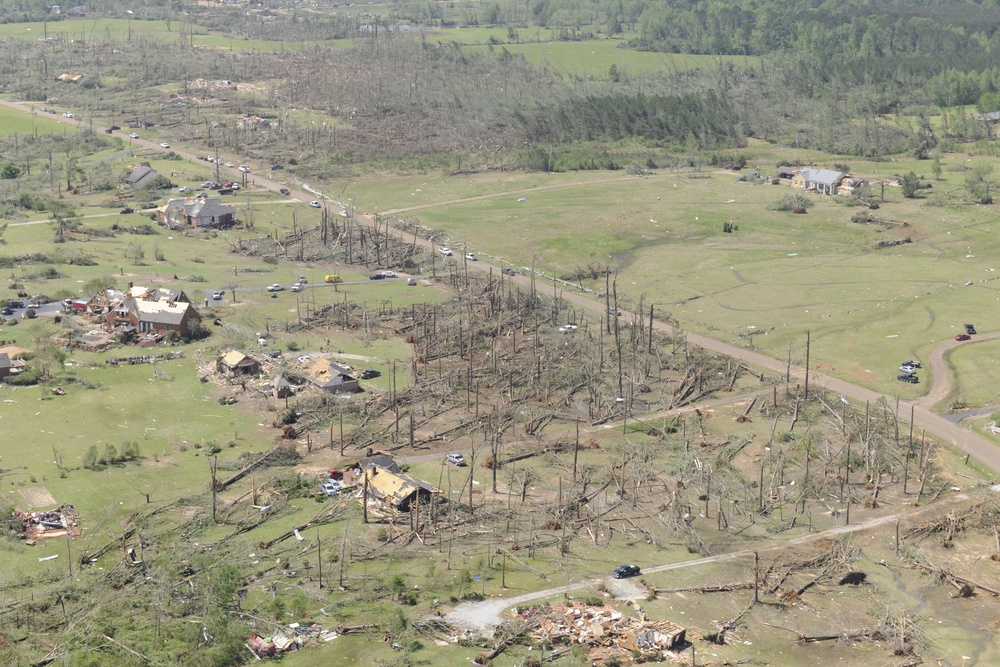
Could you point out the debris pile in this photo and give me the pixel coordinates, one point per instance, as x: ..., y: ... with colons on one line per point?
x: 605, y: 631
x: 44, y: 525
x: 298, y: 638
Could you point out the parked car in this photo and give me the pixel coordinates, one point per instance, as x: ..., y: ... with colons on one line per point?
x: 908, y: 377
x: 276, y: 287
x: 457, y: 459
x: 625, y: 571
x: 277, y: 167
x: 411, y: 281
x: 332, y: 278
x: 614, y: 311
x: 963, y: 337
x: 133, y: 135
x: 369, y: 373
x: 376, y: 276
x: 229, y: 164
x: 164, y: 145
x: 297, y: 287
x: 115, y: 127
x: 127, y: 209
x: 507, y: 271
x: 285, y: 191
x: 303, y: 280
x: 336, y: 473
x: 471, y: 256
x: 184, y: 189
x: 907, y: 368
x: 6, y: 311
x: 389, y: 274
x: 343, y: 214
x: 210, y: 158
x: 108, y: 131
x: 245, y: 168
x: 315, y: 204
x: 330, y: 487
x: 911, y: 362
x: 217, y: 294
x: 67, y: 114
x: 208, y: 185
x: 568, y: 328
x: 446, y: 251
x: 969, y: 329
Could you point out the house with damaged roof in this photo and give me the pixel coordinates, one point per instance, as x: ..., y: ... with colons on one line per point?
x: 332, y: 377
x: 396, y: 491
x: 200, y: 212
x: 152, y: 316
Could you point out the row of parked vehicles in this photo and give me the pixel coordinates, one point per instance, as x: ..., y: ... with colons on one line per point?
x: 908, y: 369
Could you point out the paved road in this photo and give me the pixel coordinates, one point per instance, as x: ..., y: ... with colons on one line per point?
x: 948, y: 432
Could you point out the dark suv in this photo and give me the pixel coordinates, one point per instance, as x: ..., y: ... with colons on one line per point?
x: 626, y: 571
x: 969, y: 329
x: 908, y: 377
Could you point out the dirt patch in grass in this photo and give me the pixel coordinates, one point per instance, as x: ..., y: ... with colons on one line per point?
x: 12, y: 351
x: 37, y: 496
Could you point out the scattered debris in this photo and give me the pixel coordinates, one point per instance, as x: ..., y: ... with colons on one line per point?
x: 45, y: 525
x: 605, y: 631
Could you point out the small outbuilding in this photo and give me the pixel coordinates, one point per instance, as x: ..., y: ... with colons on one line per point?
x: 5, y: 365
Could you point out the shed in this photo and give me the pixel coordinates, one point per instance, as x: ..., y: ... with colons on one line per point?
x: 5, y: 365
x: 282, y: 388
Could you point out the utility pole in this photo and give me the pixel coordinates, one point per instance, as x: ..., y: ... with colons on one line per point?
x: 807, y: 365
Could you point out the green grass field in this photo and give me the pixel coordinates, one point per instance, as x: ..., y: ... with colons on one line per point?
x: 780, y: 273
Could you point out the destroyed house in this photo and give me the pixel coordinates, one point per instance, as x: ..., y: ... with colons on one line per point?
x: 654, y: 636
x: 397, y: 491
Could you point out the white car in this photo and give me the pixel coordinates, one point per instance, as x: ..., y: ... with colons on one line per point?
x: 568, y: 328
x: 134, y: 135
x: 343, y: 214
x: 164, y: 145
x: 389, y: 274
x: 456, y: 459
x: 210, y: 158
x: 315, y: 204
x: 207, y: 185
x: 446, y: 251
x: 276, y: 287
x: 471, y: 256
x: 67, y: 114
x: 330, y: 487
x: 245, y: 168
x: 304, y: 358
x: 217, y: 294
x: 229, y: 164
x: 184, y: 189
x: 297, y: 287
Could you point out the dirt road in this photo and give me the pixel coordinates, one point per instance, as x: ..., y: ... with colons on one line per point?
x: 486, y: 615
x: 943, y: 384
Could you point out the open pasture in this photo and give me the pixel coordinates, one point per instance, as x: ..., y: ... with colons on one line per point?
x: 777, y: 277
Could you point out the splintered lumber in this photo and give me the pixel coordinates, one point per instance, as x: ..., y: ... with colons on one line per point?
x: 721, y: 588
x: 745, y: 416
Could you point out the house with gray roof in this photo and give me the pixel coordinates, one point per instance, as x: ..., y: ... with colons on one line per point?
x: 153, y: 316
x: 141, y: 175
x: 198, y: 212
x: 826, y: 181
